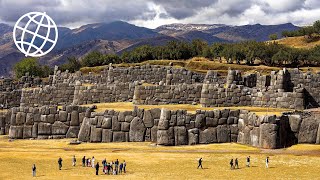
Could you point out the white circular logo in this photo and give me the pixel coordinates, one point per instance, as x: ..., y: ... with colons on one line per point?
x: 35, y: 34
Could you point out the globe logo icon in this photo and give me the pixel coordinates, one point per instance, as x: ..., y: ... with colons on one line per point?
x: 35, y: 34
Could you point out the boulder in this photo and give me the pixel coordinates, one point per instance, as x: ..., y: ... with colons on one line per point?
x: 148, y: 119
x: 193, y: 136
x: 244, y: 135
x: 74, y: 118
x: 200, y: 121
x: 96, y: 134
x: 165, y: 137
x: 128, y: 118
x: 222, y: 121
x: 180, y: 135
x: 59, y: 128
x: 268, y: 136
x: 119, y: 136
x: 225, y: 113
x: 16, y: 132
x: 295, y: 122
x: 106, y: 135
x: 29, y: 119
x: 308, y: 130
x: 155, y: 113
x: 44, y: 128
x: 208, y: 136
x: 125, y: 126
x: 255, y: 136
x: 223, y: 134
x: 137, y: 130
x: 20, y: 118
x: 63, y: 116
x: 50, y: 118
x: 211, y: 122
x: 84, y: 132
x: 106, y: 123
x: 73, y: 132
x: 116, y: 125
x: 154, y: 131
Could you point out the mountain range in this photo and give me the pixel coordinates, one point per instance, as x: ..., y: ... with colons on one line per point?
x: 119, y: 36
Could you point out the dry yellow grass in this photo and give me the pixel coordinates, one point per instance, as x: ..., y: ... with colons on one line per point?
x: 128, y: 106
x: 298, y: 42
x: 147, y: 161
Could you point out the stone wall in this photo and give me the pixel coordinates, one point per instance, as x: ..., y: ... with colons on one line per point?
x: 4, y: 122
x: 46, y: 122
x: 168, y: 94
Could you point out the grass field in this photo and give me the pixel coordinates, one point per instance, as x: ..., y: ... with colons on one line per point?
x: 298, y: 42
x: 128, y: 106
x: 147, y: 161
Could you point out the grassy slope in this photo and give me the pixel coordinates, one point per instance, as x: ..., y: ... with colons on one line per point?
x: 298, y: 42
x: 145, y: 161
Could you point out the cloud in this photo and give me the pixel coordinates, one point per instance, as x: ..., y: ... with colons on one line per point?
x: 153, y: 13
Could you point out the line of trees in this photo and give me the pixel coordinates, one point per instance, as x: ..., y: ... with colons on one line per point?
x: 307, y: 31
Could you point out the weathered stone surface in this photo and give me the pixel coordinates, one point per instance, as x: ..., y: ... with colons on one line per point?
x: 318, y: 135
x: 225, y: 113
x: 148, y: 119
x: 181, y: 136
x: 255, y: 136
x: 295, y: 122
x: 73, y: 132
x: 308, y: 130
x: 50, y: 118
x: 137, y: 130
x: 96, y: 134
x: 222, y: 121
x: 16, y: 132
x: 200, y: 121
x: 165, y: 137
x: 116, y: 125
x: 44, y: 129
x: 193, y: 136
x: 106, y: 123
x: 208, y: 136
x: 74, y: 118
x: 268, y: 136
x: 234, y: 113
x: 35, y: 130
x: 244, y: 136
x: 59, y: 128
x: 107, y: 135
x: 223, y: 134
x: 63, y: 115
x: 84, y: 132
x: 154, y: 131
x: 20, y: 118
x: 29, y: 119
x: 128, y: 118
x: 119, y: 136
x: 211, y: 122
x: 125, y: 126
x: 155, y: 113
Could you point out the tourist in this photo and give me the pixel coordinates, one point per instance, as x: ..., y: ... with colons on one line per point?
x: 97, y: 168
x: 121, y: 167
x: 60, y: 163
x: 236, y: 163
x: 108, y: 168
x: 267, y: 162
x: 34, y: 169
x: 74, y: 160
x: 231, y: 164
x: 114, y: 171
x: 116, y: 165
x: 124, y: 166
x: 199, y: 163
x: 84, y: 161
x: 248, y: 161
x: 89, y: 162
x: 92, y: 161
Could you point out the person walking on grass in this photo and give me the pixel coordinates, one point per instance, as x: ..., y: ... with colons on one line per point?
x: 116, y: 165
x: 267, y: 162
x: 84, y: 161
x: 120, y: 168
x: 97, y: 168
x: 236, y: 163
x: 124, y: 166
x: 34, y: 169
x: 92, y: 161
x: 248, y: 161
x: 200, y: 163
x: 60, y: 163
x: 231, y: 164
x: 74, y: 160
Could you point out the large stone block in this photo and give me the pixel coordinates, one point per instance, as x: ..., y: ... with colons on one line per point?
x: 96, y: 134
x: 200, y: 121
x: 165, y: 137
x: 27, y: 131
x: 268, y: 136
x: 125, y: 126
x: 107, y: 123
x: 35, y: 130
x: 116, y: 125
x: 211, y: 122
x: 74, y: 118
x: 119, y: 136
x: 106, y: 135
x: 59, y: 128
x: 16, y: 132
x: 255, y: 136
x: 137, y: 130
x: 73, y: 132
x: 295, y: 122
x: 148, y: 119
x: 193, y: 136
x: 308, y: 130
x: 181, y: 136
x: 20, y: 118
x: 85, y: 129
x: 63, y: 116
x: 155, y: 113
x: 29, y: 119
x: 208, y: 136
x: 163, y: 124
x: 223, y: 134
x: 154, y: 131
x: 44, y: 129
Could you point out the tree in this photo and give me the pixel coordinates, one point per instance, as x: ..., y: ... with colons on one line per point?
x: 28, y: 65
x: 72, y: 65
x: 94, y: 58
x: 316, y: 26
x: 273, y: 37
x: 282, y: 58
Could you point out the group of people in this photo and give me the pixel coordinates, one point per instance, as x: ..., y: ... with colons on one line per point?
x: 234, y: 163
x: 113, y: 167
